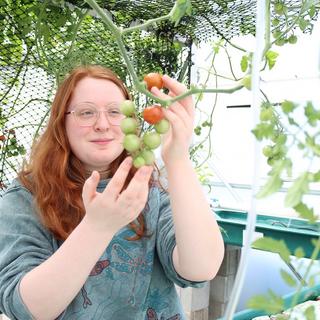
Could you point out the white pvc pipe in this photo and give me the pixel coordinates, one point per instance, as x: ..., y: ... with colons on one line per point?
x: 252, y: 214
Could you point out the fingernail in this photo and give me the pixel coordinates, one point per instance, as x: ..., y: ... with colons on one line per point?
x: 94, y: 174
x: 128, y: 160
x: 154, y: 90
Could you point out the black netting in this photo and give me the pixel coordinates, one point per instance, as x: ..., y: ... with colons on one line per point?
x: 40, y: 41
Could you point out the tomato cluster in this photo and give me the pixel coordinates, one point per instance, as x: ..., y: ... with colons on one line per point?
x: 141, y: 147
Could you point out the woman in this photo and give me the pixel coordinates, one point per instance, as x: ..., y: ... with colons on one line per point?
x: 84, y: 236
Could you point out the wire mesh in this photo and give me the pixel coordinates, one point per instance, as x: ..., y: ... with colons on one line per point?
x: 42, y: 40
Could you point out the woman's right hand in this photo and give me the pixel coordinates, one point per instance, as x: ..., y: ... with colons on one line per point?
x: 109, y: 211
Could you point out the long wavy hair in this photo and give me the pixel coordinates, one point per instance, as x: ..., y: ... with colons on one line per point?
x: 54, y: 175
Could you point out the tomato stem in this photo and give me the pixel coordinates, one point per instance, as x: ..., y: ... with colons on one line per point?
x: 145, y: 25
x: 140, y: 86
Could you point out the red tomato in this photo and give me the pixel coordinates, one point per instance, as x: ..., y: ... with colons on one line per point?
x: 153, y: 79
x: 153, y: 114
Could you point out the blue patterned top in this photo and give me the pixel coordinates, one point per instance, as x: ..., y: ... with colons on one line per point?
x: 132, y: 280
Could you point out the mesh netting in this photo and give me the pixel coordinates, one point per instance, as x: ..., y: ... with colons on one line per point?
x: 42, y: 40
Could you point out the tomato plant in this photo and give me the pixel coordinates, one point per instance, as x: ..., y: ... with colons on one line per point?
x: 131, y: 142
x: 153, y: 79
x: 162, y: 126
x: 153, y: 114
x: 148, y: 156
x: 139, y: 162
x: 152, y: 140
x: 129, y: 125
x: 127, y: 107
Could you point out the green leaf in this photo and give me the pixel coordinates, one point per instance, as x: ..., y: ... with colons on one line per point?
x: 244, y: 63
x: 312, y: 11
x: 312, y: 281
x: 181, y: 8
x: 299, y: 253
x: 288, y: 106
x: 289, y: 280
x: 303, y: 24
x: 271, y: 57
x: 263, y: 130
x: 316, y: 177
x: 273, y: 245
x: 305, y: 212
x: 271, y: 303
x: 274, y: 182
x: 311, y: 113
x: 299, y: 187
x: 310, y: 313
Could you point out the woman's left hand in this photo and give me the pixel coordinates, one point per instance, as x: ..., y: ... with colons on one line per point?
x: 180, y: 114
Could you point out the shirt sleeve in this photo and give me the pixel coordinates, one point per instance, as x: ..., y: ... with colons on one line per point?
x: 24, y: 244
x: 166, y: 242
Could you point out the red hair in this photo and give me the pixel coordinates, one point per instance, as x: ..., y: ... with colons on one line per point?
x: 54, y: 175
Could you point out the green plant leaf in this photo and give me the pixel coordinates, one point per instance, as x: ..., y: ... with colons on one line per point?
x: 271, y: 303
x: 299, y: 187
x: 312, y: 281
x: 274, y: 181
x: 289, y: 280
x: 311, y: 113
x: 244, y: 63
x: 273, y: 184
x: 305, y: 212
x: 310, y: 313
x: 316, y: 177
x: 181, y: 8
x: 271, y: 57
x: 263, y: 130
x: 273, y: 245
x: 299, y: 253
x: 288, y: 106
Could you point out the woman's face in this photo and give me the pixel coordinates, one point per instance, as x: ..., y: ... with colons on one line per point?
x: 98, y: 145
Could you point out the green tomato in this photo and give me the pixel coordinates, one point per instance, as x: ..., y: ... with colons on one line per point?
x: 128, y: 108
x: 129, y: 125
x: 138, y: 162
x: 131, y: 142
x: 293, y: 39
x: 152, y: 140
x: 280, y: 42
x: 267, y: 151
x: 148, y: 157
x: 162, y: 126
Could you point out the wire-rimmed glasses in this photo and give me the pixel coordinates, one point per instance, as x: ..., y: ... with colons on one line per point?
x: 86, y: 114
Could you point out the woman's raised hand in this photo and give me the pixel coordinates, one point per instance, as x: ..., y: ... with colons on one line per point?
x: 109, y: 211
x: 181, y: 117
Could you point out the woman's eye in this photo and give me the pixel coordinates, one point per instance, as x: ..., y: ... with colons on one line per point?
x: 86, y: 113
x: 114, y: 112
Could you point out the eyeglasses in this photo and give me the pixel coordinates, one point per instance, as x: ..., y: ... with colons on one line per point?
x: 86, y: 114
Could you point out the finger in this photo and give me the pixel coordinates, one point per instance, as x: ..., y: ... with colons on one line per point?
x: 116, y: 184
x: 177, y: 88
x: 89, y: 189
x: 175, y: 107
x: 177, y: 126
x: 139, y: 182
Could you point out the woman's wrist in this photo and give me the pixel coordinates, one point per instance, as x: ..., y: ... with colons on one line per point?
x: 93, y: 231
x: 178, y: 163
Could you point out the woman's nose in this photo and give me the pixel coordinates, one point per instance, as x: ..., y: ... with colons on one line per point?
x: 102, y: 122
